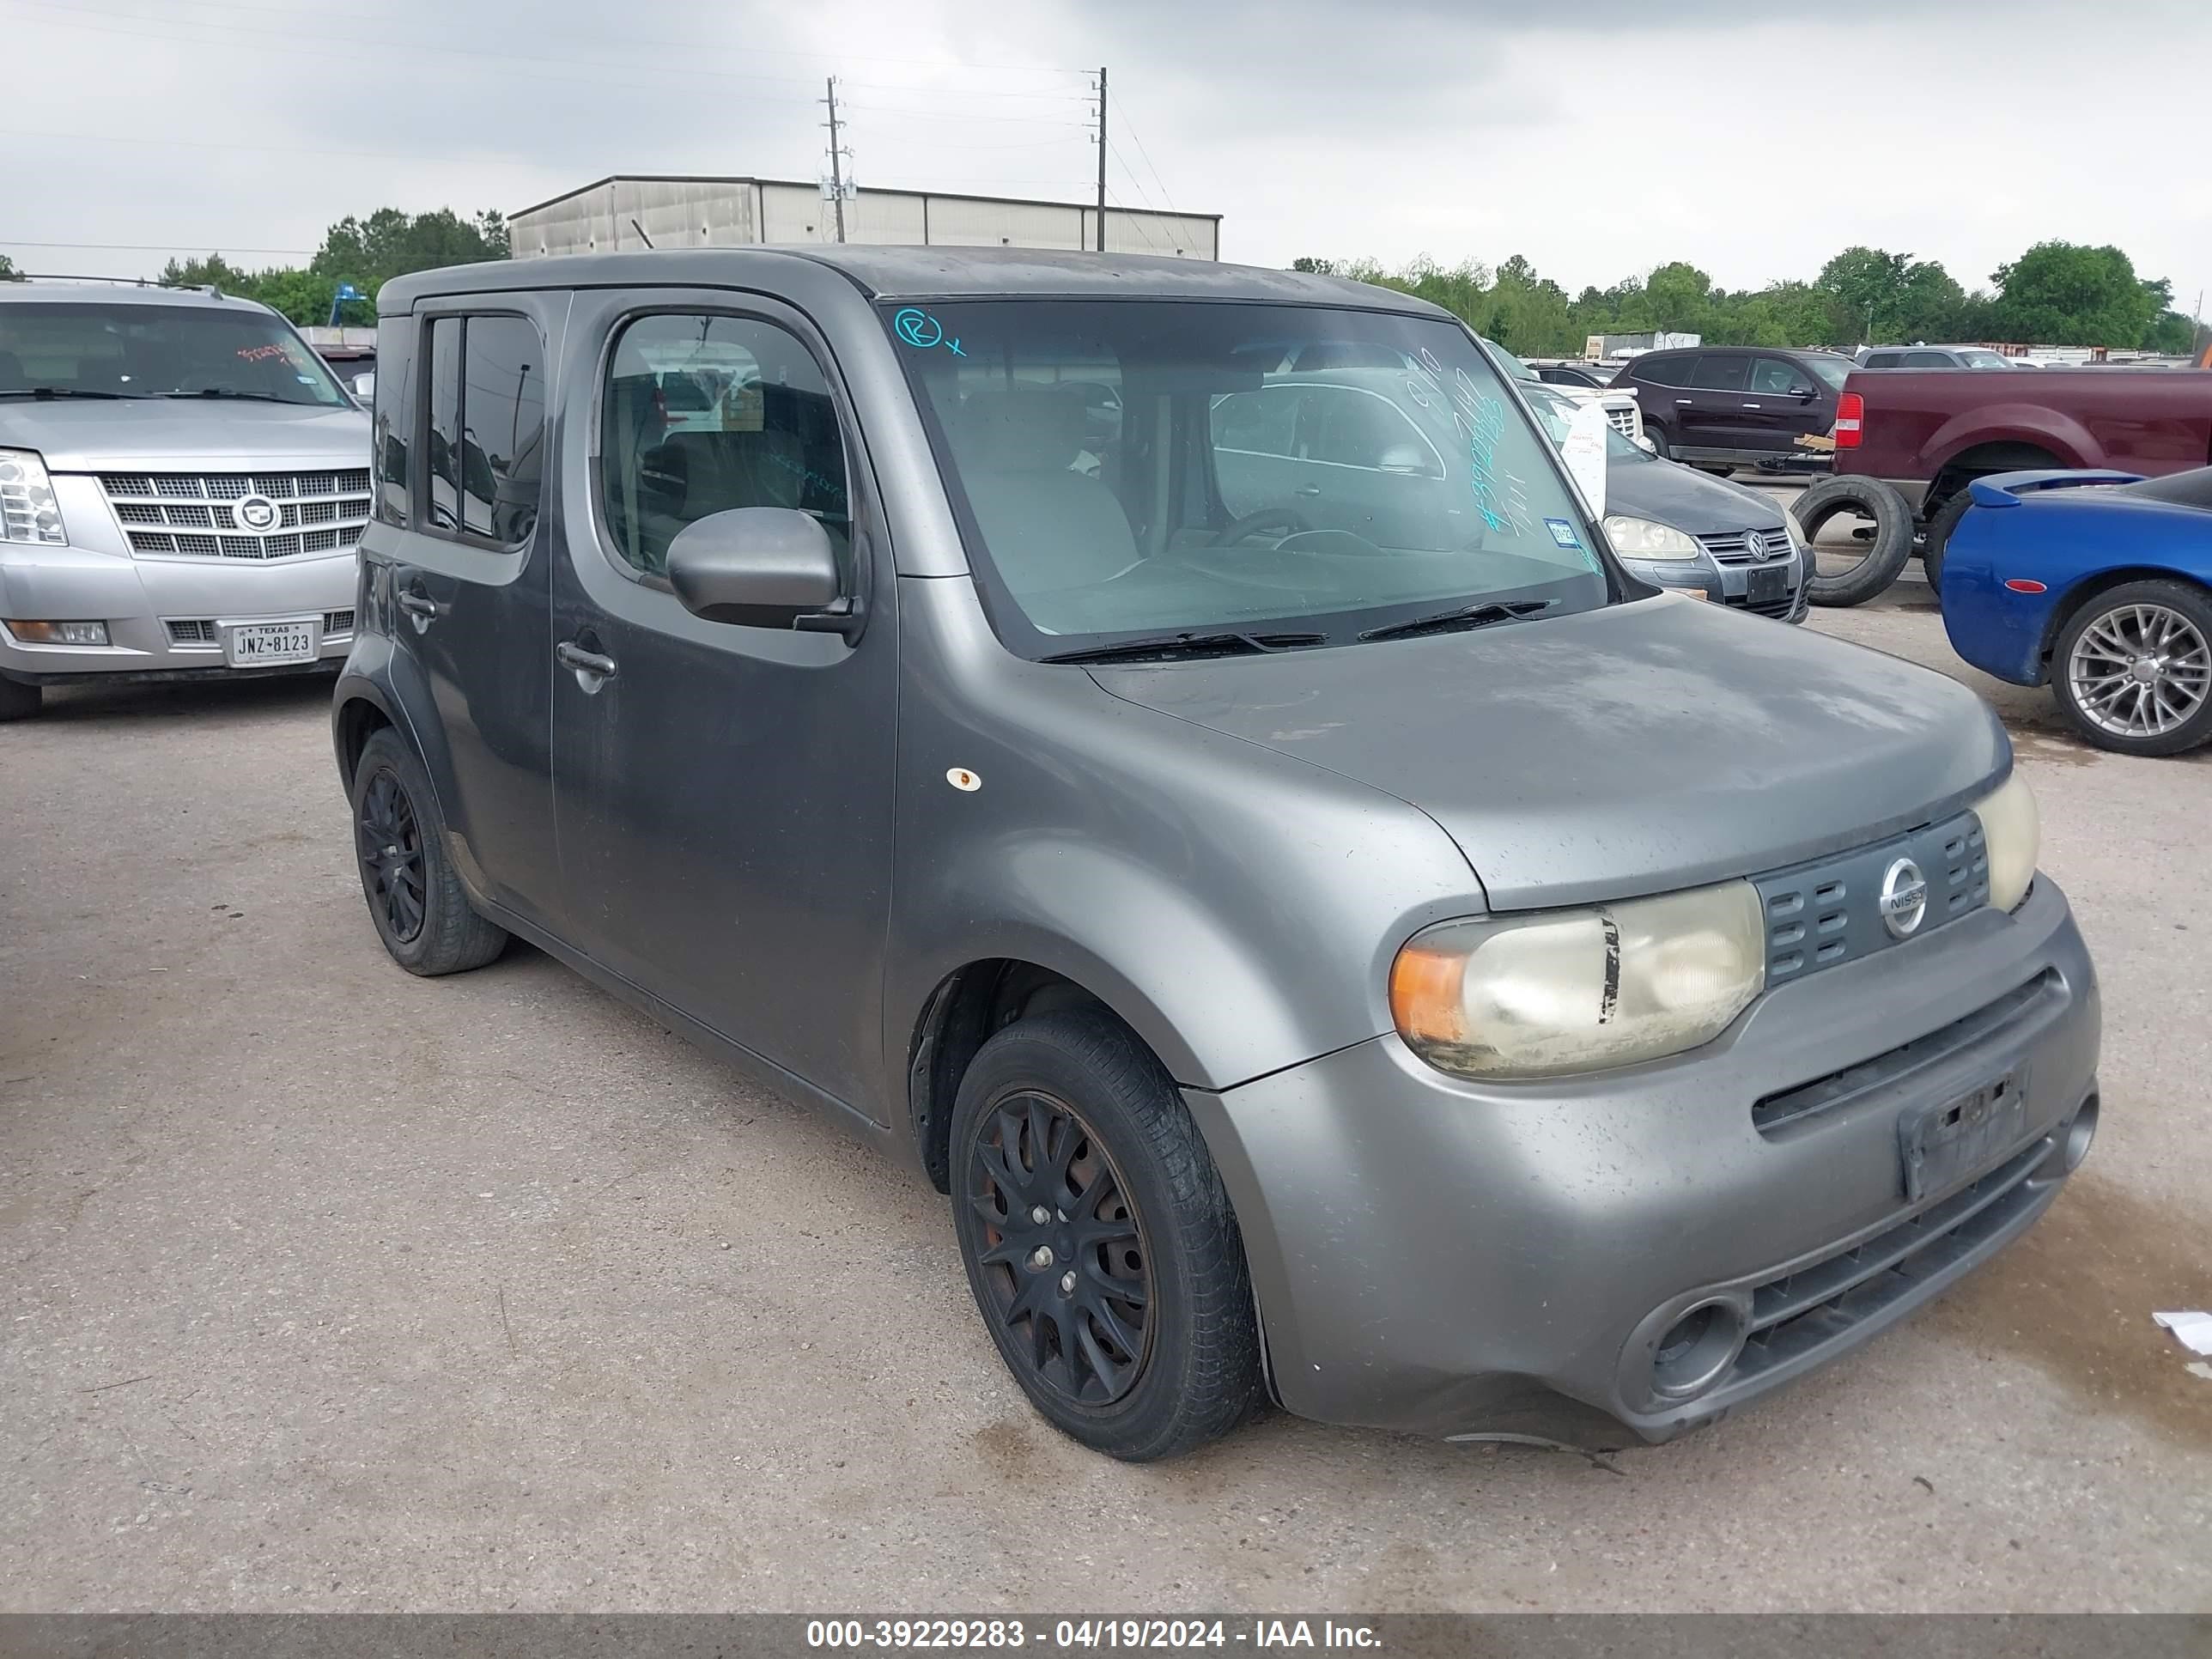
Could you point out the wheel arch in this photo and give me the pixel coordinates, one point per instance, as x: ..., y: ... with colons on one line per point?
x: 1980, y: 460
x: 357, y: 718
x: 2084, y: 592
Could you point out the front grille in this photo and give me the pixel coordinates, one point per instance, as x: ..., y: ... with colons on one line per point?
x: 191, y: 633
x: 2018, y: 1015
x: 155, y: 508
x: 1736, y: 546
x: 1782, y: 608
x: 1812, y: 1307
x: 1622, y: 420
x: 1829, y: 911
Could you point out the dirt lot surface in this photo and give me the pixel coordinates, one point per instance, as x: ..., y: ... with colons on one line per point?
x: 331, y: 1288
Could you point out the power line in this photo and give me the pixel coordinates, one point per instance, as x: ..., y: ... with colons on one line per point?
x: 158, y: 248
x: 165, y: 141
x: 1130, y: 127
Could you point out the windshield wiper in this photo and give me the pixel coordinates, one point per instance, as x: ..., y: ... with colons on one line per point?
x: 225, y: 391
x: 1189, y: 645
x: 43, y: 391
x: 1466, y: 616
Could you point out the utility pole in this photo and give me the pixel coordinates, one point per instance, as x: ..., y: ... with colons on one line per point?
x: 1101, y: 157
x: 836, y: 170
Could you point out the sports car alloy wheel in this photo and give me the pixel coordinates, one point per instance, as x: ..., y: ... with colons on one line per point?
x: 2140, y: 671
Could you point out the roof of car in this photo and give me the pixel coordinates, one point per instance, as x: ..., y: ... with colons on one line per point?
x: 1771, y: 351
x: 921, y: 273
x: 122, y: 293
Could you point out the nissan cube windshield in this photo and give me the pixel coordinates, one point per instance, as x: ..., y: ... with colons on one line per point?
x: 1261, y: 477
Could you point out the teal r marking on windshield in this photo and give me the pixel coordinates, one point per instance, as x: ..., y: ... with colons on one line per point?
x: 919, y: 329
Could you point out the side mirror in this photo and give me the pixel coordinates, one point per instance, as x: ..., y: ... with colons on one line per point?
x: 1403, y: 457
x: 760, y: 567
x: 1804, y: 394
x: 364, y: 385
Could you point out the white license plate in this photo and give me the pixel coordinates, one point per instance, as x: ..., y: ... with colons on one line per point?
x: 264, y: 645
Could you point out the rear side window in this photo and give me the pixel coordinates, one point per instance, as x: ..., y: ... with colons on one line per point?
x: 394, y: 418
x: 1881, y: 360
x: 701, y: 414
x: 1666, y: 371
x: 1722, y: 371
x: 484, y: 430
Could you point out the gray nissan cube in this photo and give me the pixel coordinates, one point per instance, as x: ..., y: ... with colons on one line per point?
x: 1331, y: 932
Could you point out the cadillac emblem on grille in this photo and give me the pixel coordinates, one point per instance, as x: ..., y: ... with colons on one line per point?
x: 1904, y: 900
x: 256, y: 512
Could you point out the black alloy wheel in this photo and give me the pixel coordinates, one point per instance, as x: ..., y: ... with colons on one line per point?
x: 389, y: 839
x: 1064, y: 1260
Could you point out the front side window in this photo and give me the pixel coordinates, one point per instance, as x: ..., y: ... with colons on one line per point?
x: 1777, y: 379
x: 485, y: 431
x: 394, y: 442
x: 1928, y: 360
x: 1881, y: 360
x: 1282, y: 473
x: 702, y: 413
x: 84, y: 349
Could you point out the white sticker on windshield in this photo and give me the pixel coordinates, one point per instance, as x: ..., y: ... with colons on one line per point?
x: 1563, y: 533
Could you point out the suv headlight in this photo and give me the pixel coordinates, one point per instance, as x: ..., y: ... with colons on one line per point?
x: 28, y: 511
x: 2012, y: 834
x: 1641, y: 539
x: 1568, y: 991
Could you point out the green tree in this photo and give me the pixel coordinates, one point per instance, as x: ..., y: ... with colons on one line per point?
x: 7, y: 272
x: 1678, y: 298
x: 2068, y: 294
x: 1313, y: 267
x: 368, y: 252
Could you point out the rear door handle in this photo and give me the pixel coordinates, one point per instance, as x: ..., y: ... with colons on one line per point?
x: 417, y: 603
x: 1683, y: 401
x: 1307, y: 489
x: 590, y: 662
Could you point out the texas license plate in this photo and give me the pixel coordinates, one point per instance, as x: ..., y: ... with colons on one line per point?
x: 1944, y: 1143
x: 1767, y: 586
x: 266, y: 645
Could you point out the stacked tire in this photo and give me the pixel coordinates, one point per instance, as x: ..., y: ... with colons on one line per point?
x: 1890, y: 546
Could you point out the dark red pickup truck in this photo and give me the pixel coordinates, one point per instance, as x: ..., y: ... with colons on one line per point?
x: 1930, y: 432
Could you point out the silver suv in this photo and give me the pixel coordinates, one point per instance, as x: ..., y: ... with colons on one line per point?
x: 182, y: 483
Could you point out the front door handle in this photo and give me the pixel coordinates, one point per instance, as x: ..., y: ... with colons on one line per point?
x: 1307, y: 489
x: 418, y: 604
x: 1684, y: 402
x: 593, y: 669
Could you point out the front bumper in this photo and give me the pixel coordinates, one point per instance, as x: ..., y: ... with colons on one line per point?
x: 167, y: 618
x: 1729, y: 585
x: 1440, y: 1257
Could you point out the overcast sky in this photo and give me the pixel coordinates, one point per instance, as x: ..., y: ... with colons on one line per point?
x: 1645, y: 131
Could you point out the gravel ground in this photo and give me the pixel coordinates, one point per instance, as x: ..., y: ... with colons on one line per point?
x: 335, y: 1289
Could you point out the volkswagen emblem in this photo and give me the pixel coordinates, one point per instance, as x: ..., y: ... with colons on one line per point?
x: 256, y: 512
x: 1755, y: 543
x: 1904, y: 902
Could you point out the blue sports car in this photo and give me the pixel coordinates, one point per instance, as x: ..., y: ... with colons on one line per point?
x: 2099, y: 584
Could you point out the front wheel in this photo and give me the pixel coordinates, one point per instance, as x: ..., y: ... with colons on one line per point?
x: 1099, y: 1244
x: 2133, y: 668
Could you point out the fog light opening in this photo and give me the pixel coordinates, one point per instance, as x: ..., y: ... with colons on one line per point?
x: 2079, y: 1133
x: 1697, y: 1349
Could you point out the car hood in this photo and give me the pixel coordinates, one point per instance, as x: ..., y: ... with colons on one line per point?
x: 1630, y: 749
x: 94, y: 435
x: 1693, y: 501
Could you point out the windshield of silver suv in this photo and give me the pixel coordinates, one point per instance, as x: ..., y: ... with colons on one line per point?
x: 1260, y: 477
x: 78, y: 348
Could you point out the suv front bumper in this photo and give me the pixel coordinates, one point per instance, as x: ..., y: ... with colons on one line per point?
x: 167, y: 618
x: 1442, y: 1257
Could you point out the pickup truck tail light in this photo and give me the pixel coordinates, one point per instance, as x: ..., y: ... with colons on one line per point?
x: 1850, y: 409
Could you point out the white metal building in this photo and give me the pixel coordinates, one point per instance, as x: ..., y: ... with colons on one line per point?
x: 688, y: 212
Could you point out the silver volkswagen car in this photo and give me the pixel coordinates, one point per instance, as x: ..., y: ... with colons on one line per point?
x: 182, y: 483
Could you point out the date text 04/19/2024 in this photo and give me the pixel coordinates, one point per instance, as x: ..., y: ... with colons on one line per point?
x: 973, y: 1634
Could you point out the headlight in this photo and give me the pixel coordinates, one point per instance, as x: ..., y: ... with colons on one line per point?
x: 2012, y: 832
x: 28, y: 511
x: 1578, y: 990
x: 1640, y: 538
x: 1796, y: 536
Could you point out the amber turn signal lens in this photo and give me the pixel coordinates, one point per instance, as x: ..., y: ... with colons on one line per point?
x: 1425, y: 995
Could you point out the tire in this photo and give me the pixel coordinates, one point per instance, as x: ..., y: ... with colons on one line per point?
x: 1662, y: 445
x: 1886, y: 556
x: 1937, y: 538
x: 2123, y: 611
x: 19, y: 702
x: 415, y: 898
x: 1151, y: 1376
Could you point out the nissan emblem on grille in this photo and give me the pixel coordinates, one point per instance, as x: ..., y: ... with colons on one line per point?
x: 256, y: 512
x: 1903, y: 898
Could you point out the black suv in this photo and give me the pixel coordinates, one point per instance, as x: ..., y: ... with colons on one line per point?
x: 1722, y: 407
